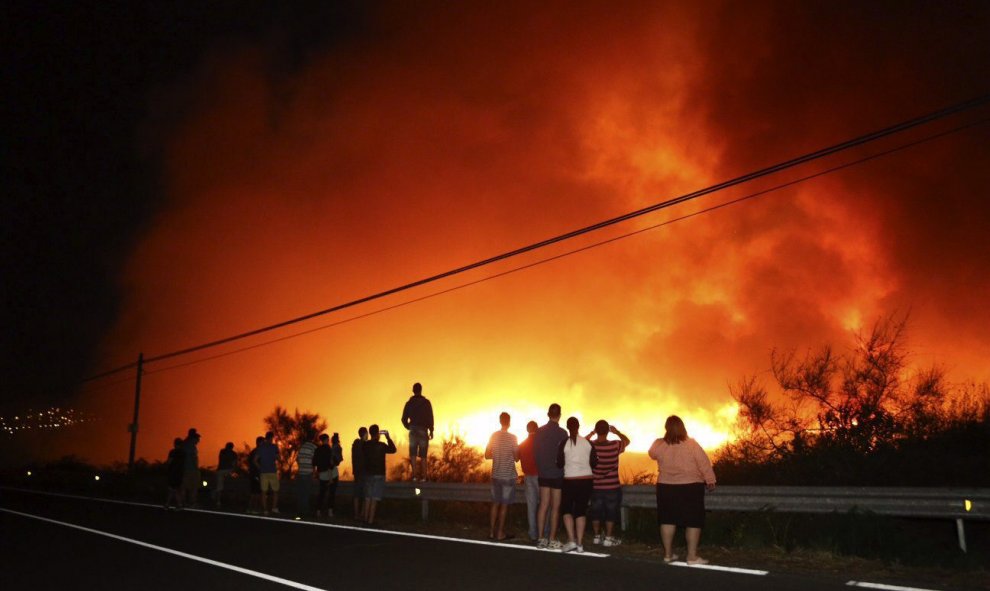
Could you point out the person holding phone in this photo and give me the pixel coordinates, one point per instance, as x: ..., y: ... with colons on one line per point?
x: 374, y: 470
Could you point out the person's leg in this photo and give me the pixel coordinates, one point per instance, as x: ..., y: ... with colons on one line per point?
x: 569, y: 526
x: 554, y: 511
x: 543, y: 509
x: 532, y: 485
x: 667, y: 537
x: 503, y: 510
x: 372, y: 507
x: 693, y: 536
x: 332, y: 496
x: 492, y: 518
x: 579, y: 523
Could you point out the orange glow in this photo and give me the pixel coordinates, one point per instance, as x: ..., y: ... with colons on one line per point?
x: 441, y: 145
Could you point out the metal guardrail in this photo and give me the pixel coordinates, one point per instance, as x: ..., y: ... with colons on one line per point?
x: 958, y: 504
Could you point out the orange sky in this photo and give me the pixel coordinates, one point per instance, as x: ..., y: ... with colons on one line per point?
x: 434, y: 141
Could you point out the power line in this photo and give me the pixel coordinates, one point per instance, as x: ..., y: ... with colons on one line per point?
x: 815, y: 155
x: 735, y: 201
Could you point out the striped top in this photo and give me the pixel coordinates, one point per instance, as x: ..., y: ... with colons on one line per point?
x: 304, y: 459
x: 607, y: 470
x: 503, y: 451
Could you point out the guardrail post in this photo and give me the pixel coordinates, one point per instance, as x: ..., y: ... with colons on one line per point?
x: 425, y: 508
x: 623, y: 518
x: 962, y: 534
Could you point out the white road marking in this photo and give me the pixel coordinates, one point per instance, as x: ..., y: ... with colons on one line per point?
x: 884, y: 587
x: 728, y: 569
x: 318, y: 524
x: 232, y: 567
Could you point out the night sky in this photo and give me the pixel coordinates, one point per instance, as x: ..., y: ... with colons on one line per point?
x: 180, y: 174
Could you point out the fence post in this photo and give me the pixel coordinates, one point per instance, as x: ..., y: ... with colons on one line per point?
x: 961, y: 532
x: 425, y: 508
x: 623, y: 518
x: 137, y: 403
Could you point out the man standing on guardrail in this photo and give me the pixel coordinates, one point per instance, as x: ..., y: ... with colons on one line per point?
x: 548, y: 440
x: 417, y: 417
x: 374, y: 466
x: 503, y: 451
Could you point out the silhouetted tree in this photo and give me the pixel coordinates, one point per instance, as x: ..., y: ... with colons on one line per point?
x: 846, y: 419
x: 291, y: 430
x: 457, y: 462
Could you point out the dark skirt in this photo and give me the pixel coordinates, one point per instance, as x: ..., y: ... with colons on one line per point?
x: 681, y: 504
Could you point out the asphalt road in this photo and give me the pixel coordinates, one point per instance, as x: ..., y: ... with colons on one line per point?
x: 203, y: 550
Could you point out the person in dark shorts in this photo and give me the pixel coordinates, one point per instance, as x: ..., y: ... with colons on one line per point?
x: 254, y: 477
x: 545, y: 445
x: 576, y: 457
x: 357, y: 467
x: 606, y: 498
x: 685, y: 472
x: 176, y: 467
x: 417, y: 417
x: 374, y: 470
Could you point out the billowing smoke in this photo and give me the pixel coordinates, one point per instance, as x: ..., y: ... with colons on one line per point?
x: 429, y: 141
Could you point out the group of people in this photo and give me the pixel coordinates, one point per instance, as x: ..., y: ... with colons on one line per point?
x: 564, y: 474
x: 567, y: 477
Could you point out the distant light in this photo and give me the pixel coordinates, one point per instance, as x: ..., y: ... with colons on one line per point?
x: 967, y: 503
x: 97, y: 477
x: 204, y: 484
x: 298, y: 518
x: 418, y: 492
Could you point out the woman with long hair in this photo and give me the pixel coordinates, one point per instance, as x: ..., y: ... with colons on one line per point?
x: 685, y: 473
x: 577, y: 457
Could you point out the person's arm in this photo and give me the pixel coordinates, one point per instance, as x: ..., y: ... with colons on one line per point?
x: 593, y: 460
x: 405, y: 415
x: 515, y: 449
x: 590, y: 435
x: 704, y: 466
x: 560, y: 454
x: 654, y: 450
x: 622, y: 437
x: 391, y: 445
x: 429, y: 421
x: 488, y: 448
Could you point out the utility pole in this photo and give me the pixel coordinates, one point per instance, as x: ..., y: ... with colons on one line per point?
x: 137, y: 403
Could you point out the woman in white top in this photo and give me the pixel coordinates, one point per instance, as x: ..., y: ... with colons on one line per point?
x: 577, y: 457
x: 684, y: 473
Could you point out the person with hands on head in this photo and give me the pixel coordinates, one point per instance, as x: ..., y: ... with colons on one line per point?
x: 606, y: 498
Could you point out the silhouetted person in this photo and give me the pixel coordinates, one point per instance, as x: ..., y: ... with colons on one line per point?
x: 545, y: 446
x: 531, y: 479
x: 357, y: 467
x: 267, y: 461
x: 576, y: 456
x: 685, y: 473
x: 226, y: 462
x: 176, y: 468
x: 304, y: 473
x: 191, y: 477
x: 417, y: 417
x: 374, y: 465
x: 327, y: 457
x: 606, y: 498
x: 503, y: 451
x: 254, y: 477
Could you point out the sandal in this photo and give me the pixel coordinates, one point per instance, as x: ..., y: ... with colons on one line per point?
x: 672, y: 558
